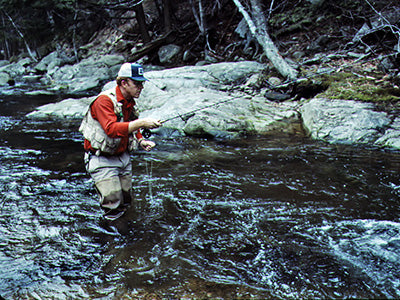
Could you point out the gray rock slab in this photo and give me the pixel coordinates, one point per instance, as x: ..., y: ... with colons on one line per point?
x: 343, y: 121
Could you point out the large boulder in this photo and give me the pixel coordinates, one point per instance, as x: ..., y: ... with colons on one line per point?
x: 14, y: 70
x: 67, y: 109
x: 174, y: 92
x: 86, y: 75
x: 391, y: 137
x: 343, y: 121
x: 164, y: 86
x: 201, y: 100
x: 4, y: 78
x: 49, y: 63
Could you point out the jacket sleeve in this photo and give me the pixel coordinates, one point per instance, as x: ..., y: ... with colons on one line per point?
x: 138, y: 135
x: 103, y: 111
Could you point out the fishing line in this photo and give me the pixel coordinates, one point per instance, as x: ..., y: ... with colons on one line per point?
x: 149, y: 176
x: 191, y: 113
x: 186, y: 116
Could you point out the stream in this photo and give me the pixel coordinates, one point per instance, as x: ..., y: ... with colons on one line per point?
x: 278, y: 216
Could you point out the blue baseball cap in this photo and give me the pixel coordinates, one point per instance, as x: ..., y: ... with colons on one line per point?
x: 133, y: 71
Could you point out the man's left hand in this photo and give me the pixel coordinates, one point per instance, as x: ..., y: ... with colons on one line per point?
x: 147, y: 145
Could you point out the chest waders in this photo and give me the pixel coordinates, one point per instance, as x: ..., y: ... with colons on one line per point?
x: 112, y: 174
x: 113, y: 182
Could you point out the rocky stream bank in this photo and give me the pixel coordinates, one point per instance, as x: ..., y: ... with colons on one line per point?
x: 230, y: 92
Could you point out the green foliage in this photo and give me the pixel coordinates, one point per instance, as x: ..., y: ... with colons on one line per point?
x: 351, y: 86
x: 297, y: 15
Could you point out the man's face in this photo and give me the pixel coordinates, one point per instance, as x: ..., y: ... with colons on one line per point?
x: 133, y: 88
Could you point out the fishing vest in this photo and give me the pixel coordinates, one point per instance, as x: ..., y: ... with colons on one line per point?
x: 95, y: 134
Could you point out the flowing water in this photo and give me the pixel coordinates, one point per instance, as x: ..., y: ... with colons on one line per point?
x: 278, y: 216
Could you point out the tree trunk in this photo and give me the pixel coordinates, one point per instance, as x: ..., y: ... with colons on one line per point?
x: 198, y: 13
x: 258, y: 29
x: 140, y: 17
x: 167, y: 16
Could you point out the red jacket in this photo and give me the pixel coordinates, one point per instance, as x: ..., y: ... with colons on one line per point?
x: 102, y: 110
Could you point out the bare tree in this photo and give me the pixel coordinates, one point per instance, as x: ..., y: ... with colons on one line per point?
x: 141, y: 18
x: 258, y: 28
x: 198, y: 13
x: 31, y: 53
x: 167, y: 15
x: 137, y: 6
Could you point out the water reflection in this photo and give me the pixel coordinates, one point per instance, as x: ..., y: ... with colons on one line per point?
x: 278, y: 216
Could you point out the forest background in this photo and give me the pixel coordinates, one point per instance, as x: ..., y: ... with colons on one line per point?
x: 363, y: 34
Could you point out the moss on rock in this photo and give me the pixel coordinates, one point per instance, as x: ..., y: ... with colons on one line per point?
x: 352, y: 86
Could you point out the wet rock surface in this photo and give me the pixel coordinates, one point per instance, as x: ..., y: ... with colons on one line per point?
x: 344, y: 121
x: 174, y: 92
x: 225, y: 105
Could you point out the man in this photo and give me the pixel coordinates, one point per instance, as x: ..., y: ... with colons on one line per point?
x: 111, y: 128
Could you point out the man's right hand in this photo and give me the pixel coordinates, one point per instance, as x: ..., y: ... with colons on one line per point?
x: 150, y: 123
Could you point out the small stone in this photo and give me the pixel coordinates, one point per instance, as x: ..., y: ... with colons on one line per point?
x: 168, y: 52
x: 274, y: 81
x: 275, y: 96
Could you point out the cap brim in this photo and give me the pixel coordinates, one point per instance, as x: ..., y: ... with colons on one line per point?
x: 139, y: 78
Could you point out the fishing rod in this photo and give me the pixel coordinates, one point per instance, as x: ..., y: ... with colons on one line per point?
x: 186, y: 116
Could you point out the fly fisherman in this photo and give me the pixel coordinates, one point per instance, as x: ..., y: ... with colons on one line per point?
x: 111, y: 128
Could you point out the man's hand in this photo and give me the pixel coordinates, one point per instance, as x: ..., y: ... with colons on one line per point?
x: 150, y: 123
x: 147, y: 145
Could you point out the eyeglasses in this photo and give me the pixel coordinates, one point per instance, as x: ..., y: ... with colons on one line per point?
x: 138, y: 84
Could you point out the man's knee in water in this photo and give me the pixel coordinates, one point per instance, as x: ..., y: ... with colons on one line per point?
x: 126, y: 186
x: 110, y: 191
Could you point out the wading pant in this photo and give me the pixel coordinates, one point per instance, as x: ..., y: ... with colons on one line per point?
x: 112, y: 176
